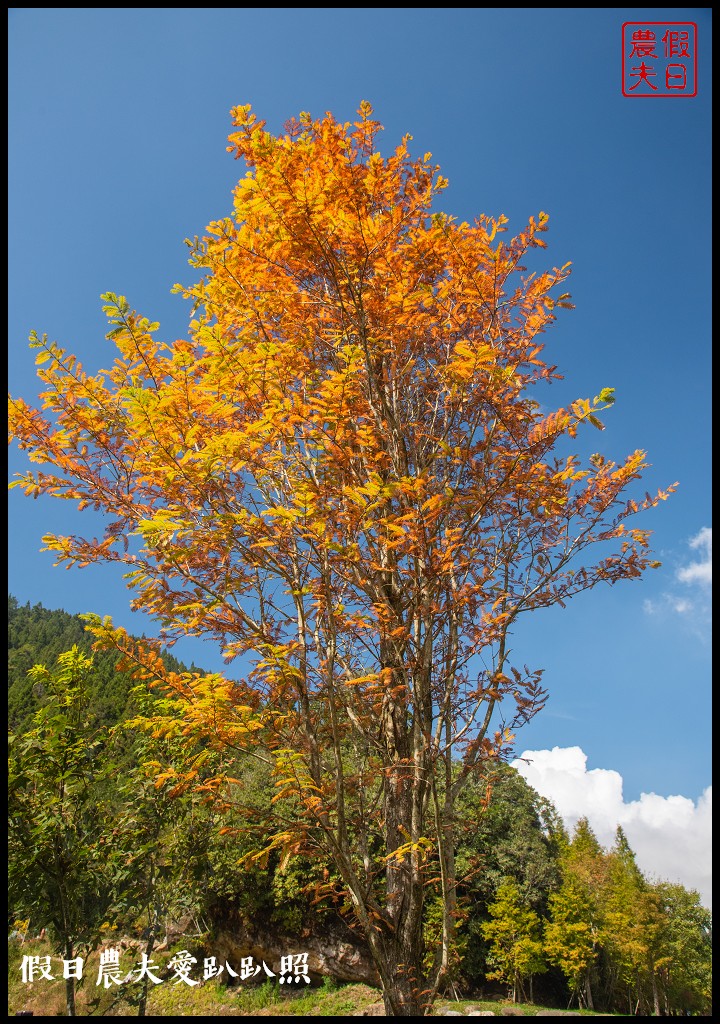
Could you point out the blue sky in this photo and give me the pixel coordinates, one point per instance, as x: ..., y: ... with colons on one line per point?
x: 118, y: 121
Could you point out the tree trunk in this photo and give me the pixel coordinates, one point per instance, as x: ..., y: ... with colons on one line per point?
x: 403, y: 997
x: 403, y: 940
x: 69, y: 981
x: 588, y: 992
x: 142, y: 1002
x: 404, y: 788
x: 656, y: 996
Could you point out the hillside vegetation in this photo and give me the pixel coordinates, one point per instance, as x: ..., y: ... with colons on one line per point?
x: 121, y: 839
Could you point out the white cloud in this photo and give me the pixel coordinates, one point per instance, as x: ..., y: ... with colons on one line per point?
x: 694, y: 605
x: 671, y: 836
x: 672, y: 602
x: 699, y: 572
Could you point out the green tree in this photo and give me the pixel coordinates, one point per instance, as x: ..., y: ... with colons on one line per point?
x: 629, y: 931
x: 516, y: 948
x: 504, y: 822
x: 683, y: 951
x: 513, y: 835
x: 60, y: 818
x: 570, y: 942
x: 96, y: 834
x: 573, y: 935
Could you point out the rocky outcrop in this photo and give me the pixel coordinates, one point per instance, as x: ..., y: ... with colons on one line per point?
x: 374, y: 1010
x: 333, y: 950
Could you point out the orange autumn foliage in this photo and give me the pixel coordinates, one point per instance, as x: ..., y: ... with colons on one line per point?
x: 341, y: 474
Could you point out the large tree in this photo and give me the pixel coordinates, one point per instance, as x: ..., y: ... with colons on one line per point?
x: 342, y: 475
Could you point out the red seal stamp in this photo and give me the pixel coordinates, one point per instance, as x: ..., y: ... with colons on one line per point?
x: 659, y: 58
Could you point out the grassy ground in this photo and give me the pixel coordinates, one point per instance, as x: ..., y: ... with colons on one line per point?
x: 172, y: 997
x: 207, y: 999
x: 524, y: 1009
